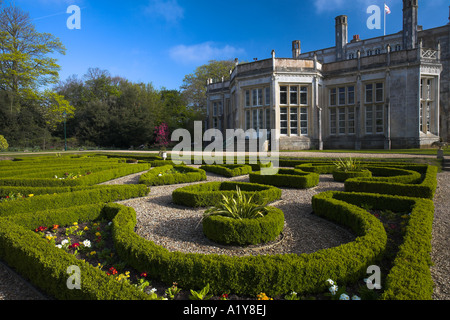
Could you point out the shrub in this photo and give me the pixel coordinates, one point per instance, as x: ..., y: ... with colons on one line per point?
x: 3, y: 143
x: 229, y: 231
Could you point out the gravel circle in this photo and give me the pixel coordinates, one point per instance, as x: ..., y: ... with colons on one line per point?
x: 178, y: 228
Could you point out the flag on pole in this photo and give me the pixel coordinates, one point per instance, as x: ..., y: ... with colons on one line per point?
x: 387, y: 9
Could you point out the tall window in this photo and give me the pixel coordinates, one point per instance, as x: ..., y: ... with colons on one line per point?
x: 257, y: 101
x: 217, y: 115
x: 374, y: 108
x: 342, y: 110
x: 426, y: 109
x: 294, y: 111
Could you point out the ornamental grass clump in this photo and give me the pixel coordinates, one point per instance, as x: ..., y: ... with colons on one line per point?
x: 237, y: 207
x: 348, y: 165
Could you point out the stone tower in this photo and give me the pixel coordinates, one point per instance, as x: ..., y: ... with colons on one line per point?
x: 410, y: 22
x: 341, y: 36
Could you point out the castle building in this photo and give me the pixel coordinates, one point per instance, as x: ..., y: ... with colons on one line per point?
x: 388, y: 92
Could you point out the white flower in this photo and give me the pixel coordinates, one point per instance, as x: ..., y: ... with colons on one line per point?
x: 64, y: 242
x: 59, y: 246
x: 344, y: 297
x: 87, y: 243
x: 330, y: 282
x: 355, y: 297
x: 333, y: 289
x: 153, y: 290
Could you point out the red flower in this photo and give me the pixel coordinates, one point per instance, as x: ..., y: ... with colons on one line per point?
x: 40, y: 229
x: 74, y: 246
x: 112, y: 271
x: 144, y: 274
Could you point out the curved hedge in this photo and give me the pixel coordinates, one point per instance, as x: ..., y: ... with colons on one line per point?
x: 412, y: 184
x: 229, y: 231
x: 288, y: 178
x: 228, y: 170
x: 342, y: 176
x: 210, y: 193
x: 273, y: 274
x: 158, y: 176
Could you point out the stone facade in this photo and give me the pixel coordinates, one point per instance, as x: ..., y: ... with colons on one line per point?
x: 386, y: 92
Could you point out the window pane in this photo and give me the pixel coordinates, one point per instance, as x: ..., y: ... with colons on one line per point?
x: 369, y: 120
x: 284, y: 121
x: 294, y: 95
x: 351, y: 95
x: 351, y: 120
x: 247, y: 98
x: 247, y: 120
x: 267, y: 96
x: 380, y: 92
x: 283, y: 95
x: 421, y: 117
x: 369, y: 93
x: 304, y: 95
x: 260, y: 97
x: 333, y: 118
x: 342, y: 120
x: 341, y: 96
x: 294, y: 121
x: 333, y: 97
x: 304, y: 121
x: 379, y: 119
x: 255, y: 119
x: 268, y: 124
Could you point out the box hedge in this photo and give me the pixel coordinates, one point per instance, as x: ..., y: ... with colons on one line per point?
x: 242, y: 232
x: 228, y: 170
x: 287, y: 178
x: 211, y: 193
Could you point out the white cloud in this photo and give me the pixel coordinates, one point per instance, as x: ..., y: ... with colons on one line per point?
x: 203, y: 52
x: 169, y: 10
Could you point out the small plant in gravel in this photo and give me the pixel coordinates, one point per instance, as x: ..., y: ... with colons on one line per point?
x: 201, y: 295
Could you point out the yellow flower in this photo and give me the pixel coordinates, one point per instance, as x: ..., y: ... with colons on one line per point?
x: 98, y: 234
x: 93, y: 253
x: 31, y: 195
x: 86, y: 228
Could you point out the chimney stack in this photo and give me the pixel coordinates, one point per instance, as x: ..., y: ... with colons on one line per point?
x: 296, y: 49
x: 410, y: 24
x: 341, y: 36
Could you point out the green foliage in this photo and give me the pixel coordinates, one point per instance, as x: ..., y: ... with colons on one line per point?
x: 211, y: 193
x: 288, y: 178
x: 347, y: 165
x: 239, y: 206
x: 228, y: 170
x: 201, y: 295
x: 168, y: 174
x: 3, y: 143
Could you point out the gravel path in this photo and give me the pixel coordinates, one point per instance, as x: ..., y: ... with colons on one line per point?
x: 177, y: 228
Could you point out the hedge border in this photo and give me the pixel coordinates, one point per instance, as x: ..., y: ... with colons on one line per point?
x: 228, y: 170
x: 211, y: 193
x: 287, y: 178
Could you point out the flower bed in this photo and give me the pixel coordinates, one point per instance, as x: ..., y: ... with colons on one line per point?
x: 169, y: 174
x: 288, y: 178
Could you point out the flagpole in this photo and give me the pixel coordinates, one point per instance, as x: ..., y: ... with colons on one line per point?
x: 384, y: 9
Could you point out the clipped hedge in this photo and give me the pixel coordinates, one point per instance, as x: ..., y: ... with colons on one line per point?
x: 288, y: 178
x: 342, y: 176
x: 184, y: 175
x: 229, y: 231
x: 425, y: 188
x: 211, y: 193
x: 228, y: 170
x: 410, y: 277
x: 102, y: 194
x: 250, y: 275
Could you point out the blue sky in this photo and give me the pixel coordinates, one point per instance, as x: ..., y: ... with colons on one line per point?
x: 160, y: 41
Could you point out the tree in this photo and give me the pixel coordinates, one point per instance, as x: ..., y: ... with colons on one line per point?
x: 25, y: 62
x: 3, y: 144
x: 194, y: 85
